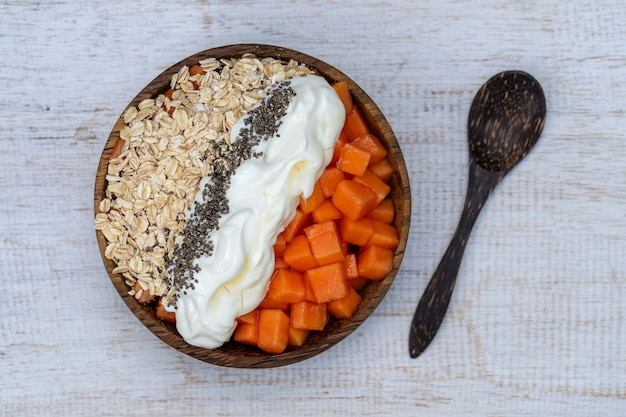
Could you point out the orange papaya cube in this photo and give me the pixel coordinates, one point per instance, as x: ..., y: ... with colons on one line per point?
x: 384, y: 235
x: 344, y: 308
x: 297, y: 337
x: 328, y: 282
x: 308, y: 316
x: 249, y: 318
x: 286, y: 286
x: 355, y: 124
x: 269, y: 303
x: 298, y: 254
x: 162, y: 314
x: 384, y: 212
x: 342, y: 90
x: 374, y: 262
x: 325, y: 242
x: 280, y: 245
x: 329, y: 180
x: 326, y: 212
x: 358, y: 283
x: 383, y: 169
x: 354, y: 200
x: 309, y: 295
x: 307, y: 205
x: 353, y: 160
x: 371, y: 144
x: 341, y: 140
x: 300, y: 221
x: 246, y: 333
x: 356, y: 232
x: 279, y: 263
x: 273, y: 330
x: 374, y: 183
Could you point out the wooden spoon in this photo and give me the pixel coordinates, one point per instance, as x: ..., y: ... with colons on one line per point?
x: 505, y: 121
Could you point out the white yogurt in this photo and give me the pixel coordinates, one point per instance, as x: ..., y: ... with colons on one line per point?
x: 263, y: 196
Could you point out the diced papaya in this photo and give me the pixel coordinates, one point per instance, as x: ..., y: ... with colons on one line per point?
x: 383, y: 212
x: 329, y: 180
x: 358, y: 283
x: 273, y: 330
x: 371, y: 144
x: 340, y: 238
x: 307, y: 205
x: 308, y: 316
x: 297, y: 337
x: 309, y: 295
x: 383, y: 169
x: 384, y: 235
x: 374, y: 183
x: 328, y: 282
x: 344, y: 308
x: 326, y: 243
x: 354, y: 200
x: 326, y: 212
x: 343, y: 91
x: 374, y: 262
x: 355, y: 124
x: 341, y: 140
x: 298, y: 254
x: 250, y: 318
x: 162, y: 314
x: 356, y: 232
x: 280, y: 245
x: 246, y: 333
x: 294, y: 228
x: 269, y: 303
x: 353, y: 160
x: 286, y: 286
x: 279, y: 263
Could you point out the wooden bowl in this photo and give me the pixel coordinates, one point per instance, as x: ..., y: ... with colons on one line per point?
x: 235, y: 354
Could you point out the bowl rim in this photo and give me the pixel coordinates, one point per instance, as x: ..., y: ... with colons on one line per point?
x: 337, y: 330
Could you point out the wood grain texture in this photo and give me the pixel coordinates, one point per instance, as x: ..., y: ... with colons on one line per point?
x: 536, y: 325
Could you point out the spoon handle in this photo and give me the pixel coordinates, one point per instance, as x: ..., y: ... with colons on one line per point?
x: 434, y: 302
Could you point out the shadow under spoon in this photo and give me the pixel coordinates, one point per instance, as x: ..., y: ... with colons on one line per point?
x: 505, y: 121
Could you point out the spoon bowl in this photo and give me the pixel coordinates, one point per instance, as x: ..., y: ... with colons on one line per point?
x: 505, y: 121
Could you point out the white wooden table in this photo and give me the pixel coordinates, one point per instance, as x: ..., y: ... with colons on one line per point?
x: 537, y: 323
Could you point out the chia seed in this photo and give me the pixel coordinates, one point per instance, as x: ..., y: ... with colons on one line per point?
x: 260, y: 124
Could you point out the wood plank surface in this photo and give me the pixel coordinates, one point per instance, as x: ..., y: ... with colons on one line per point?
x: 536, y: 325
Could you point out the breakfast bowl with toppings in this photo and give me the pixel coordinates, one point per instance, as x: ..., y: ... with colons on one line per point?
x: 252, y: 206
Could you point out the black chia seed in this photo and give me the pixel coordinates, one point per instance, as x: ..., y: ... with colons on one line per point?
x: 260, y: 124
